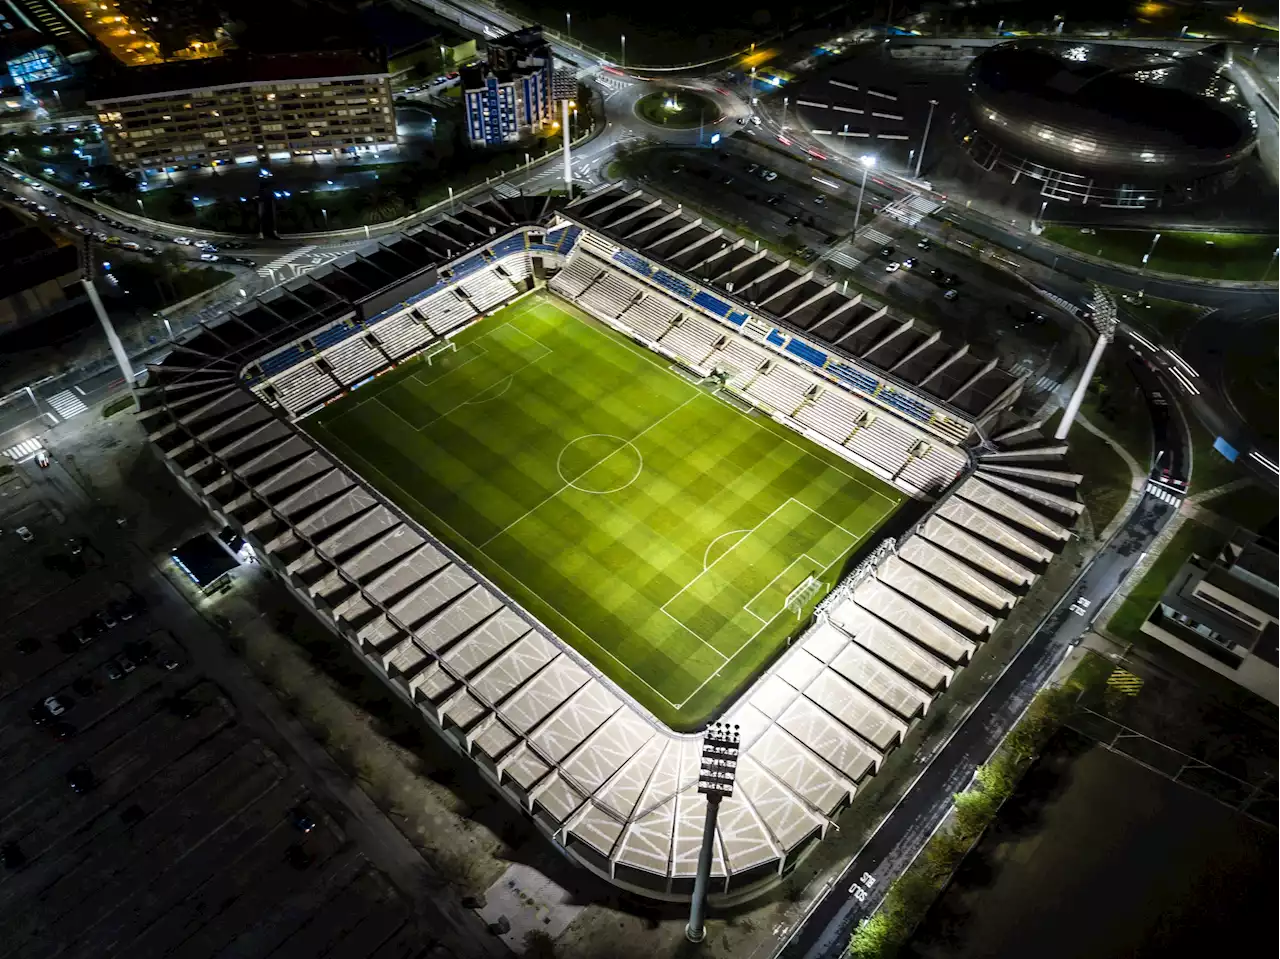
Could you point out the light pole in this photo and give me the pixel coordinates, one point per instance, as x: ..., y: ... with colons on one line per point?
x: 326, y: 217
x: 1147, y: 256
x: 715, y: 781
x: 624, y: 52
x: 568, y: 24
x: 1275, y: 254
x: 924, y: 141
x: 867, y: 161
x: 784, y: 113
x: 140, y: 209
x: 168, y: 328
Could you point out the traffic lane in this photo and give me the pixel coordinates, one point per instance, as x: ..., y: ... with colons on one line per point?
x: 1169, y: 452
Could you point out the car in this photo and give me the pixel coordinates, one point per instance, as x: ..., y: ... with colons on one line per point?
x: 886, y: 252
x: 127, y: 664
x: 741, y: 120
x: 300, y: 820
x: 820, y: 200
x: 935, y: 274
x: 80, y: 779
x: 113, y: 241
x: 753, y: 167
x: 131, y: 246
x: 113, y: 670
x: 82, y: 635
x: 61, y: 730
x: 57, y: 705
x: 12, y: 856
x: 168, y: 663
x: 150, y: 251
x: 792, y: 220
x: 909, y: 262
x: 893, y: 267
x: 42, y: 458
x: 773, y: 199
x: 106, y: 619
x: 99, y: 236
x: 948, y: 280
x: 203, y: 245
x: 24, y: 534
x: 81, y: 228
x: 120, y: 610
x: 182, y: 240
x: 726, y: 180
x: 950, y: 294
x: 28, y: 645
x: 209, y: 257
x: 924, y: 244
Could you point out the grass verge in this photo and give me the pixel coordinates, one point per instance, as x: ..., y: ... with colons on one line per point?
x: 1107, y: 478
x: 118, y: 405
x: 1192, y: 537
x: 1212, y: 256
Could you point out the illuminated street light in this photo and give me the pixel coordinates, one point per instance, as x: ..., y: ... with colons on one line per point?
x: 624, y: 52
x: 1147, y: 256
x: 715, y: 781
x: 867, y: 161
x: 924, y: 141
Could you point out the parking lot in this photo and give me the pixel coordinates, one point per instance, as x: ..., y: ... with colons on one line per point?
x: 812, y: 214
x: 140, y: 815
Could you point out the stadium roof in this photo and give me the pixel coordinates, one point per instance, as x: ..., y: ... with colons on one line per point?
x: 800, y: 298
x: 616, y: 788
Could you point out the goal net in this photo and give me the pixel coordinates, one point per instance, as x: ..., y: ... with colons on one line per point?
x: 803, y: 594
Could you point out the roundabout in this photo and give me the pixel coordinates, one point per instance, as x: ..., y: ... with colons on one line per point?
x: 678, y: 109
x: 599, y: 463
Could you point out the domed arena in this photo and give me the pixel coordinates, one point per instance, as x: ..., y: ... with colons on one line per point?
x: 1111, y: 126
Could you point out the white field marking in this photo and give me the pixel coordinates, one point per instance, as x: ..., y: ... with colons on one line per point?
x: 707, y: 552
x: 473, y: 399
x: 383, y: 403
x: 591, y: 323
x: 532, y: 592
x: 753, y: 636
x: 599, y: 492
x: 505, y: 382
x: 453, y: 369
x: 747, y: 605
x: 686, y: 628
x: 707, y: 569
x: 566, y: 486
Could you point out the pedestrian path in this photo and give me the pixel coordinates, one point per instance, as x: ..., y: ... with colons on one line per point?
x: 910, y: 209
x: 66, y: 404
x: 1159, y: 492
x: 875, y: 236
x: 24, y: 450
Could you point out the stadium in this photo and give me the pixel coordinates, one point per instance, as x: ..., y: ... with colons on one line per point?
x: 1106, y: 125
x: 576, y: 478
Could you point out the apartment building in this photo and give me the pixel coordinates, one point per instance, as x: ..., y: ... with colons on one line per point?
x: 1222, y: 611
x: 246, y: 108
x: 510, y: 95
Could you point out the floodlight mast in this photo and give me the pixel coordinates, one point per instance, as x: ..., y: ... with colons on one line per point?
x: 715, y: 781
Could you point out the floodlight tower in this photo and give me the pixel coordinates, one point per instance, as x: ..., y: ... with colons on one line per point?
x: 568, y: 161
x: 1104, y: 321
x: 715, y: 781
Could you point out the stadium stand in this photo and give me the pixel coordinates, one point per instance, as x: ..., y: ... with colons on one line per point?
x: 573, y: 281
x: 446, y: 311
x: 609, y: 295
x: 691, y: 339
x: 486, y: 289
x: 615, y: 789
x: 650, y: 316
x: 354, y: 359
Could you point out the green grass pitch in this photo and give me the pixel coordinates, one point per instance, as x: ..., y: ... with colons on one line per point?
x: 648, y: 522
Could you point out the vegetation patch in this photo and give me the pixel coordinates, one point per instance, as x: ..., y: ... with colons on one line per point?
x: 1214, y: 256
x: 118, y: 405
x: 1191, y: 537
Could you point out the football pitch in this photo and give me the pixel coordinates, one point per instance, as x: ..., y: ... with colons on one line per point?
x: 651, y: 524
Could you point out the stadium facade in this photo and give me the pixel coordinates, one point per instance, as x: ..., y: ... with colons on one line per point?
x: 1106, y: 125
x: 609, y: 785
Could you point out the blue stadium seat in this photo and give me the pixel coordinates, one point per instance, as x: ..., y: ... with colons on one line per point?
x: 806, y: 352
x: 737, y: 319
x: 710, y: 303
x: 776, y: 338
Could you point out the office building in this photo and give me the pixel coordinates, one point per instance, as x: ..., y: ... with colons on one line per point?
x: 510, y: 96
x: 246, y: 108
x: 1220, y: 610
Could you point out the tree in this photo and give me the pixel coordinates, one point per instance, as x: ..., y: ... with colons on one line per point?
x: 115, y: 180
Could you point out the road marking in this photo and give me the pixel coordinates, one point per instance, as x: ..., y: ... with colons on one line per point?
x: 66, y: 404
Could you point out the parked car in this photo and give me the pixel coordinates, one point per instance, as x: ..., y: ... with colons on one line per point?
x: 924, y: 243
x: 42, y: 459
x: 769, y: 176
x: 119, y: 610
x: 909, y: 262
x: 182, y: 240
x: 893, y: 267
x: 886, y: 252
x: 113, y: 670
x: 820, y: 200
x: 168, y: 663
x: 80, y: 779
x: 24, y: 534
x: 127, y: 664
x: 300, y: 821
x: 57, y: 705
x: 12, y: 856
x: 209, y: 257
x: 950, y: 294
x: 106, y: 619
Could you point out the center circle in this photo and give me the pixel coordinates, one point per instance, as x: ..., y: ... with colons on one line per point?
x: 580, y: 457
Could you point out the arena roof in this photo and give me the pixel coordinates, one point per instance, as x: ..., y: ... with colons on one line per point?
x: 613, y: 786
x: 800, y: 298
x: 1109, y: 108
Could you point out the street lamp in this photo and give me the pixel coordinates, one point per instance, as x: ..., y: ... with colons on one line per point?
x: 867, y: 161
x: 568, y: 24
x: 1274, y: 255
x: 784, y: 113
x: 715, y: 781
x: 1147, y: 256
x: 140, y: 209
x: 925, y: 139
x: 624, y: 51
x: 326, y: 217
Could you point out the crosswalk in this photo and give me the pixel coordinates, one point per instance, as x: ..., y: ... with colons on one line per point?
x: 23, y: 450
x: 875, y: 236
x: 1159, y: 492
x: 841, y: 258
x: 910, y: 209
x: 66, y: 404
x: 1125, y: 682
x: 282, y: 261
x: 505, y: 191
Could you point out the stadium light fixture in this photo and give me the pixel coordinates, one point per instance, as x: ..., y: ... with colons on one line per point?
x: 715, y: 781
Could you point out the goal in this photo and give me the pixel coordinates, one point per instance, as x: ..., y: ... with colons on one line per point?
x: 803, y: 594
x: 435, y: 349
